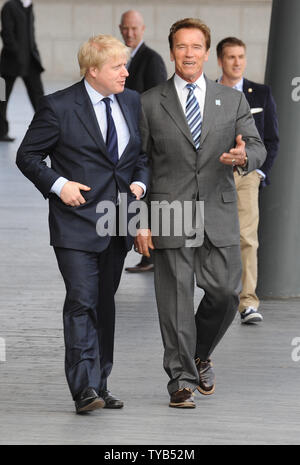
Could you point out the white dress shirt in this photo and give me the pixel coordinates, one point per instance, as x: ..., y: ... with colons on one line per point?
x: 182, y: 91
x: 123, y: 134
x: 135, y: 50
x: 26, y: 3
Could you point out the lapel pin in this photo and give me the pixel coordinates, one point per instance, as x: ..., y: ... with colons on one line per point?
x: 250, y: 89
x: 218, y: 102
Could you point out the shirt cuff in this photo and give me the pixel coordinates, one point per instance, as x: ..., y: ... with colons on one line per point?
x: 142, y: 185
x: 262, y: 174
x: 58, y: 185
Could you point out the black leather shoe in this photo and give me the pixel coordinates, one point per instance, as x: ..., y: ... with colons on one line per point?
x: 88, y: 400
x: 183, y: 398
x: 206, y: 377
x: 6, y: 138
x: 140, y: 268
x: 110, y: 400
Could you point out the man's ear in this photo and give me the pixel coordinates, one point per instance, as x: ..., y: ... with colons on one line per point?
x: 92, y: 71
x: 207, y: 55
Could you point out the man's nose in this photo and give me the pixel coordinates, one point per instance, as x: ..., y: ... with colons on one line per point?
x: 189, y: 51
x: 124, y: 71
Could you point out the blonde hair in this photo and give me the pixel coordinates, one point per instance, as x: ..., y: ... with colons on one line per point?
x: 98, y: 49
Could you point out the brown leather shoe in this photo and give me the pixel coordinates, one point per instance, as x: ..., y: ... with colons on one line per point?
x: 183, y: 398
x: 206, y: 377
x: 140, y: 268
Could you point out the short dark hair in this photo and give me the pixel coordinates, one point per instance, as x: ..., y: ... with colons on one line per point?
x: 229, y: 42
x: 190, y: 23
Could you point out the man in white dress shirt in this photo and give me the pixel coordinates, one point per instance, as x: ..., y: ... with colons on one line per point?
x: 90, y: 132
x: 195, y: 131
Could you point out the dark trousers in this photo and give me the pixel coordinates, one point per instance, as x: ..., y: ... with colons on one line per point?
x: 91, y: 281
x: 35, y: 90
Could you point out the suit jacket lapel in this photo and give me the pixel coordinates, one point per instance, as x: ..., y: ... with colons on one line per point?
x: 86, y: 114
x: 171, y: 104
x: 126, y: 113
x: 210, y: 107
x: 249, y: 95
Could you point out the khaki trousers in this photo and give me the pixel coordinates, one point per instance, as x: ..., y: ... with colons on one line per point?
x: 247, y: 191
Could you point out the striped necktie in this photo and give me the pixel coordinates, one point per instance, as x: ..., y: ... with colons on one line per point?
x: 111, y: 136
x: 193, y: 115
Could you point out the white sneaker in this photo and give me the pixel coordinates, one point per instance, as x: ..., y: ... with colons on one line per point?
x: 250, y: 315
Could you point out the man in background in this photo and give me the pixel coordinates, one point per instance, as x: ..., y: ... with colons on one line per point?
x: 19, y: 56
x: 231, y: 53
x: 146, y: 69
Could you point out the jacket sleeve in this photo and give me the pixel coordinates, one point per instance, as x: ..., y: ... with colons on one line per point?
x: 245, y: 125
x: 39, y: 142
x: 271, y: 134
x: 141, y: 172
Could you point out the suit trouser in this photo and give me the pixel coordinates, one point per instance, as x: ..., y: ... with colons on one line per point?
x: 34, y: 87
x: 186, y: 335
x: 91, y: 281
x: 248, y: 190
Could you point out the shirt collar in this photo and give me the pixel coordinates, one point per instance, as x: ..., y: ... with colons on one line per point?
x: 181, y: 83
x: 26, y: 3
x: 238, y: 86
x: 94, y: 95
x: 135, y: 50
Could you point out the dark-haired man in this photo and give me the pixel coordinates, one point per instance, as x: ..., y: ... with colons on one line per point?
x: 195, y: 131
x: 231, y: 53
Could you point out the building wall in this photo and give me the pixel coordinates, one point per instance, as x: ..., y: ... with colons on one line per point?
x: 61, y: 26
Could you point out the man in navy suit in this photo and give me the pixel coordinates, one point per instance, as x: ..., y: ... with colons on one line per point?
x: 231, y: 53
x: 90, y: 132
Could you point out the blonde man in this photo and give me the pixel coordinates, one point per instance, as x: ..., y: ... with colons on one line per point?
x: 90, y: 132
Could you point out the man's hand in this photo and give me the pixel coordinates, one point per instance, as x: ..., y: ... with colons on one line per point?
x: 236, y: 156
x: 143, y: 242
x: 71, y: 195
x: 137, y: 190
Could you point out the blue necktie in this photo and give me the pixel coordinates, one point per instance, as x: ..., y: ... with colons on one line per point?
x: 111, y: 136
x: 193, y: 115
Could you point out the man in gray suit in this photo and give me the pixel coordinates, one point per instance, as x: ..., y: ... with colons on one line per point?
x: 196, y: 133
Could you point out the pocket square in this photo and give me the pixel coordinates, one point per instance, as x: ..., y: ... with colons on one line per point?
x: 256, y: 110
